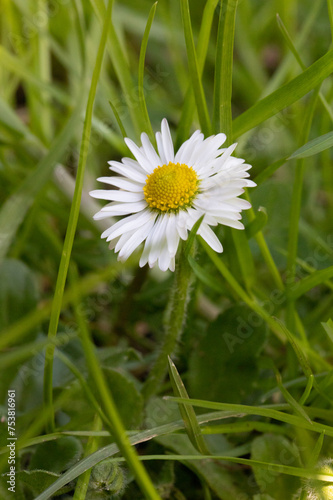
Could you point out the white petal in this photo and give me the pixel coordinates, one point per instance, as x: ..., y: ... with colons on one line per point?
x: 150, y: 152
x: 164, y: 259
x: 160, y: 148
x: 133, y: 172
x: 167, y: 141
x: 116, y: 195
x: 229, y: 222
x: 139, y: 155
x: 183, y: 152
x: 210, y: 237
x: 124, y: 208
x: 158, y: 240
x: 129, y: 223
x: 135, y: 240
x: 122, y: 183
x: 172, y: 235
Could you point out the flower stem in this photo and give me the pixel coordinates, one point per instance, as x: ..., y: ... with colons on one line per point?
x: 174, y: 322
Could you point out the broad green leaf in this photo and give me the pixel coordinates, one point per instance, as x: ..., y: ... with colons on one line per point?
x: 190, y: 420
x: 126, y: 396
x: 18, y: 292
x: 56, y: 456
x: 39, y: 480
x: 285, y: 95
x: 230, y: 348
x: 271, y: 448
x: 314, y: 147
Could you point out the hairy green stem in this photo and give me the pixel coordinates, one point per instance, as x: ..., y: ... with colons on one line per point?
x: 174, y: 322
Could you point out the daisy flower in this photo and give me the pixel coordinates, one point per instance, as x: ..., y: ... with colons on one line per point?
x: 160, y: 196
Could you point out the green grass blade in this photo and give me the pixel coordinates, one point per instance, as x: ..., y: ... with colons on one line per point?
x: 192, y: 235
x: 204, y: 277
x: 222, y: 116
x: 304, y: 363
x: 16, y: 206
x: 142, y: 100
x: 307, y: 390
x: 111, y: 450
x: 81, y: 487
x: 313, y: 147
x: 27, y: 351
x: 185, y: 121
x: 120, y: 123
x: 120, y: 64
x: 269, y: 171
x: 295, y: 211
x: 188, y: 414
x: 257, y: 224
x: 306, y: 284
x: 257, y: 410
x: 328, y: 327
x: 277, y: 468
x: 107, y: 402
x: 285, y: 95
x: 72, y: 223
x: 86, y: 285
x: 194, y: 70
x: 298, y: 410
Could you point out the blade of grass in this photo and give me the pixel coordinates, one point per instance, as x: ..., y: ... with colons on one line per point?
x: 328, y: 327
x: 295, y: 212
x: 142, y: 100
x: 222, y: 117
x: 107, y: 402
x: 303, y: 286
x: 204, y: 277
x: 72, y: 223
x: 188, y: 414
x: 298, y: 410
x: 110, y: 450
x: 185, y: 121
x: 313, y: 147
x: 269, y: 171
x: 86, y: 285
x: 16, y: 206
x: 257, y: 224
x: 284, y: 96
x: 27, y: 351
x: 81, y: 487
x: 307, y: 390
x: 120, y: 64
x: 194, y: 70
x: 293, y: 49
x: 256, y: 410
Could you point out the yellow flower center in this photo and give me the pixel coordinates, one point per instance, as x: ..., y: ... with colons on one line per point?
x: 171, y: 187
